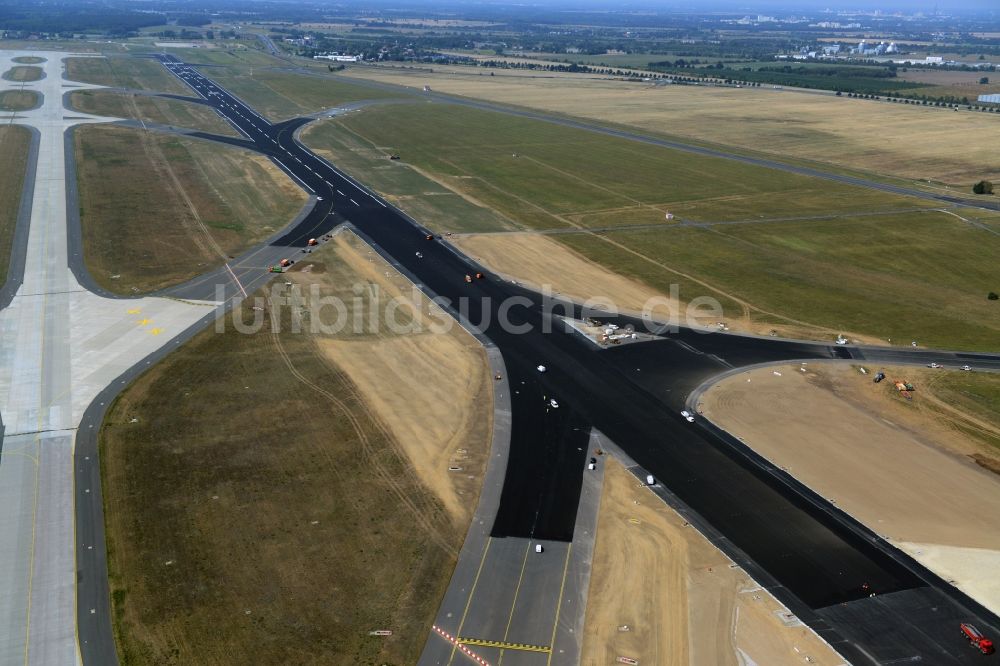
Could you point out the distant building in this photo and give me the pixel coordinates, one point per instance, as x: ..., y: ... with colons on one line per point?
x: 990, y: 99
x: 338, y: 58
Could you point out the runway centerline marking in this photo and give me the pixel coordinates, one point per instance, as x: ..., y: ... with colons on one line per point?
x: 468, y: 602
x: 517, y: 592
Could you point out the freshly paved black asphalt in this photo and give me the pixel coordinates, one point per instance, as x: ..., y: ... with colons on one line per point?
x: 811, y: 556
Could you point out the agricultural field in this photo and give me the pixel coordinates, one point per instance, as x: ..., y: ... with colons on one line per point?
x: 813, y: 126
x: 151, y: 109
x: 862, y: 80
x: 24, y: 73
x: 14, y: 144
x: 768, y: 246
x: 18, y: 100
x: 125, y: 72
x: 944, y: 77
x: 268, y: 504
x: 157, y: 209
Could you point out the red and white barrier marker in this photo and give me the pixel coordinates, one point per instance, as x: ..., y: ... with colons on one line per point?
x: 466, y: 651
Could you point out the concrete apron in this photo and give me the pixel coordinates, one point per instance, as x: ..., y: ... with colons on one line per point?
x: 59, y: 346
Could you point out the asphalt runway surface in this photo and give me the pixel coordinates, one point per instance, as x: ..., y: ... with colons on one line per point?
x: 809, y: 555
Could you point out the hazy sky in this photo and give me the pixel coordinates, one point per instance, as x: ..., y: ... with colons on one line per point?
x: 756, y: 6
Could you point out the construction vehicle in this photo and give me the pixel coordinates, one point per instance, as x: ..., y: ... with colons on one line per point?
x: 879, y: 377
x: 468, y: 279
x: 650, y: 480
x: 429, y: 237
x: 479, y: 276
x: 275, y: 269
x: 312, y: 242
x: 284, y: 263
x: 976, y: 638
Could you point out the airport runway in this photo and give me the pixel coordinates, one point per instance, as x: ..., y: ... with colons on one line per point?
x: 807, y: 553
x: 67, y: 349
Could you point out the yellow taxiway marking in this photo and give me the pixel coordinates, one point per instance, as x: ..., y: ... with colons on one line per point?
x: 504, y: 645
x: 133, y: 311
x: 156, y: 331
x: 143, y: 322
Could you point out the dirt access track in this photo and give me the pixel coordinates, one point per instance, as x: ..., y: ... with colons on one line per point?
x: 903, y: 474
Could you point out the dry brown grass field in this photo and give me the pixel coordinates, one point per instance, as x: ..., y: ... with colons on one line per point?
x: 857, y: 134
x: 158, y: 209
x: 14, y: 143
x: 261, y: 509
x: 18, y: 100
x: 124, y: 72
x: 23, y: 73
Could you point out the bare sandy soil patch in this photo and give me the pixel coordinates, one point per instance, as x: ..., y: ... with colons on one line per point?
x: 430, y: 389
x: 679, y: 596
x: 866, y: 135
x: 544, y: 264
x: 905, y: 473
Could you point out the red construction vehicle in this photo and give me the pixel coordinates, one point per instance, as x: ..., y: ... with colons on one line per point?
x: 312, y: 242
x: 284, y: 263
x: 977, y: 639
